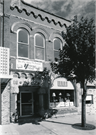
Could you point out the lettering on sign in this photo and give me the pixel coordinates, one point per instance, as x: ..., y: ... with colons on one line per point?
x: 26, y: 65
x: 29, y: 65
x: 62, y: 84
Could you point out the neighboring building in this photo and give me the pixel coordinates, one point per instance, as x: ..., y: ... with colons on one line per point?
x: 33, y: 37
x: 90, y: 99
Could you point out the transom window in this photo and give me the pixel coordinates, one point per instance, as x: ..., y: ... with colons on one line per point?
x: 23, y: 43
x: 57, y: 46
x: 39, y: 46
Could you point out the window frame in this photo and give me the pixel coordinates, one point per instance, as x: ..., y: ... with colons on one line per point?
x: 89, y: 101
x: 61, y: 45
x: 20, y: 29
x: 39, y: 46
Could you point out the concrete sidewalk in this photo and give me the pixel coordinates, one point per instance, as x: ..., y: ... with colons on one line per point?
x: 61, y: 125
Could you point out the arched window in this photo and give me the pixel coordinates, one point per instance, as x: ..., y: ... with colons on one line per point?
x: 57, y: 46
x: 39, y: 46
x: 23, y: 43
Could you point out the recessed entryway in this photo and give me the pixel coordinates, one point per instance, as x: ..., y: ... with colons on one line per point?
x: 26, y: 104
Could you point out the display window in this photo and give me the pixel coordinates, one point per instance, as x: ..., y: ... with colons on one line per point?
x: 62, y: 97
x: 89, y: 99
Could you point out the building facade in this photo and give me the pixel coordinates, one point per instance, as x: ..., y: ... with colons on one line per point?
x: 34, y: 38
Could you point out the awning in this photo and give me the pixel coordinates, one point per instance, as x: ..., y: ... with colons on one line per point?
x: 62, y: 83
x: 91, y: 84
x: 5, y: 78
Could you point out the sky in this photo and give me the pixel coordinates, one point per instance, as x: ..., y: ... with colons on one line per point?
x: 67, y: 8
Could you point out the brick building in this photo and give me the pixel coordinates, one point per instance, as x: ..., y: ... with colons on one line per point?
x: 34, y: 38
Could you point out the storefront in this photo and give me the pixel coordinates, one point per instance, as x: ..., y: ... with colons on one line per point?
x: 27, y: 96
x: 62, y: 93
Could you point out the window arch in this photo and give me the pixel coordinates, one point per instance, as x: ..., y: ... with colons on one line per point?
x: 57, y: 45
x: 23, y: 43
x: 39, y: 46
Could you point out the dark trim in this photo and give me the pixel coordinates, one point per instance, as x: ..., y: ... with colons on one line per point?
x: 34, y: 86
x: 28, y: 88
x: 91, y: 87
x: 23, y: 71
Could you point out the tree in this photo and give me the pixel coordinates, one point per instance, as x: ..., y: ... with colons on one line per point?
x: 78, y: 55
x: 41, y: 79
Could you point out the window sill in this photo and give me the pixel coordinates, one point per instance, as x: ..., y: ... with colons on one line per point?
x: 39, y: 60
x: 22, y: 58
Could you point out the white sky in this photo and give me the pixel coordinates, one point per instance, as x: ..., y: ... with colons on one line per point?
x: 67, y: 8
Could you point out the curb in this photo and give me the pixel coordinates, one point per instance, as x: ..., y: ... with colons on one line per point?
x: 63, y: 115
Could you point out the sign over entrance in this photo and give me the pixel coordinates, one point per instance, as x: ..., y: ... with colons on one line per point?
x: 29, y: 65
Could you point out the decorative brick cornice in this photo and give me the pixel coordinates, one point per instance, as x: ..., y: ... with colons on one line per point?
x: 29, y: 9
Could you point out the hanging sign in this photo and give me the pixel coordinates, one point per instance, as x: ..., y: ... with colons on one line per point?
x: 4, y: 61
x: 29, y: 65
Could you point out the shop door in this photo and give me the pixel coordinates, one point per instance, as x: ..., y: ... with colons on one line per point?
x: 26, y: 104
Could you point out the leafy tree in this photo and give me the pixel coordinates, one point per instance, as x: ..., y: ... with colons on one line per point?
x: 78, y: 55
x: 41, y: 78
x: 38, y: 78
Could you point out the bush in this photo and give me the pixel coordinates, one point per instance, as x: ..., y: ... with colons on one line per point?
x: 48, y: 113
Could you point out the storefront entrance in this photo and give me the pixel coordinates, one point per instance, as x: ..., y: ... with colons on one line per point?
x: 27, y: 101
x: 26, y: 104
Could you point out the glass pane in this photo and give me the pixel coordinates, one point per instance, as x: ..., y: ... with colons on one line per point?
x: 27, y: 109
x: 23, y: 36
x: 56, y: 54
x: 22, y: 50
x: 39, y: 40
x: 26, y: 98
x: 57, y: 44
x: 39, y: 53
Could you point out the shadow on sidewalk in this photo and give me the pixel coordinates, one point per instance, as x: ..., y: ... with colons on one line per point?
x: 34, y: 120
x: 57, y: 122
x: 76, y: 126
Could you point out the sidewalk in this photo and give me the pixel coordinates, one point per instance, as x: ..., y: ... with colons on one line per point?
x: 61, y: 125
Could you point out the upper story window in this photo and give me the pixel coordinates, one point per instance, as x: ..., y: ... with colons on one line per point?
x: 23, y: 43
x: 39, y: 47
x: 57, y: 46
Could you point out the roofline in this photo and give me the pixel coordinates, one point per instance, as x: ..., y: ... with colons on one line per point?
x: 44, y: 11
